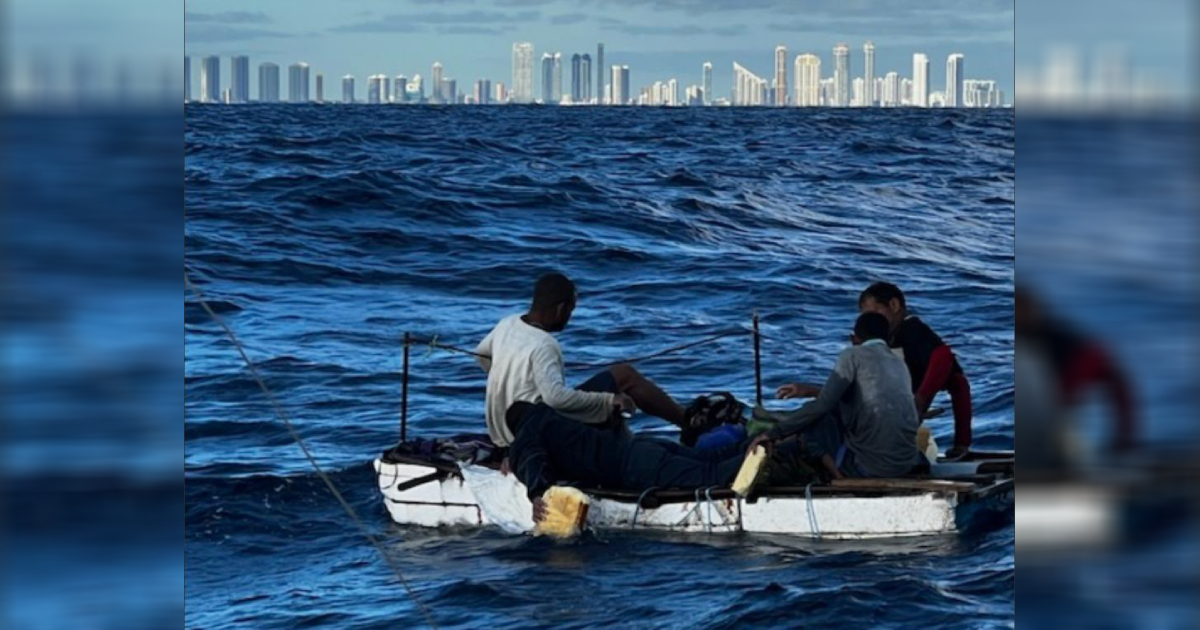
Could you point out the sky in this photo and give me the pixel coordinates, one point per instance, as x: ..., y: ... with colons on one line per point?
x: 658, y: 39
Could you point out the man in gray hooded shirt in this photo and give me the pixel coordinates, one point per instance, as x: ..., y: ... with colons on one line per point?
x: 863, y: 423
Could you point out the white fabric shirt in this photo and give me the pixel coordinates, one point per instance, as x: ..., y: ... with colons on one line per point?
x: 526, y: 365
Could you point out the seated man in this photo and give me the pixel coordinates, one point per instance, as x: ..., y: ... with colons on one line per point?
x: 525, y: 364
x: 863, y: 423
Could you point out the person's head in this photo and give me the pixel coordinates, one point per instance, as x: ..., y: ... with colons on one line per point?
x: 553, y: 301
x: 886, y: 299
x: 870, y: 326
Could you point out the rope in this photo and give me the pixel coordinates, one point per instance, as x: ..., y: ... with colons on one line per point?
x: 279, y: 413
x: 433, y: 343
x: 812, y: 512
x: 638, y: 507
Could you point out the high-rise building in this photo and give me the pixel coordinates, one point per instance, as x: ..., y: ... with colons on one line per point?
x: 298, y: 83
x: 348, y: 88
x: 706, y: 82
x: 981, y: 94
x: 808, y: 80
x: 239, y: 79
x: 748, y: 88
x: 400, y: 89
x: 920, y: 81
x: 377, y: 89
x: 673, y: 92
x: 449, y: 91
x: 436, y: 89
x: 841, y: 75
x: 827, y: 91
x: 268, y: 83
x: 694, y: 95
x: 210, y: 80
x: 954, y: 80
x: 577, y: 78
x: 483, y: 91
x: 906, y: 91
x: 551, y: 78
x: 320, y: 88
x: 501, y: 93
x: 522, y: 72
x: 869, y: 74
x: 416, y: 89
x: 859, y: 93
x: 890, y: 96
x: 619, y: 86
x: 601, y: 71
x: 781, y: 82
x: 585, y: 78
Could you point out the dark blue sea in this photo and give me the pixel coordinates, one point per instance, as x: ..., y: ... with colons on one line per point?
x: 323, y: 233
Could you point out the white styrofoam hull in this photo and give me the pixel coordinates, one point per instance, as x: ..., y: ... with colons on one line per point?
x: 484, y: 497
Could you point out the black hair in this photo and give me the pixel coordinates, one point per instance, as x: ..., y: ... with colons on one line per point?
x: 871, y: 326
x: 551, y: 290
x: 882, y: 292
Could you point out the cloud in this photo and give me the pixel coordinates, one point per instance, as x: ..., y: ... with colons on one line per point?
x: 217, y: 32
x: 568, y: 18
x: 471, y: 30
x: 409, y: 22
x: 613, y: 24
x: 227, y: 17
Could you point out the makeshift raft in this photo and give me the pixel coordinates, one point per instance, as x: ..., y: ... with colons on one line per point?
x: 426, y: 491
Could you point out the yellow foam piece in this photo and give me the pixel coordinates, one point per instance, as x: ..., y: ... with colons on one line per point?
x: 751, y: 468
x: 926, y: 444
x: 566, y: 512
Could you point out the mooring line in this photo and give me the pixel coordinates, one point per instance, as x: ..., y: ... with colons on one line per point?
x: 307, y: 453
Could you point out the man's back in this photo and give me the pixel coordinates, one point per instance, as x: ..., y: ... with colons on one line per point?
x: 878, y: 410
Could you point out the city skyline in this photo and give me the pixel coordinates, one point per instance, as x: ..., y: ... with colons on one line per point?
x: 806, y: 86
x: 658, y: 38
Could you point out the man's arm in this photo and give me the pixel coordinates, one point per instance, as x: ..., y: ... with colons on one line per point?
x: 831, y: 393
x: 593, y: 407
x: 484, y: 352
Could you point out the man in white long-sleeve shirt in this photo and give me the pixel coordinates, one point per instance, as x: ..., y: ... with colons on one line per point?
x: 525, y: 364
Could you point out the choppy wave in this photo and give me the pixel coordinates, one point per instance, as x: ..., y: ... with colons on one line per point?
x: 324, y: 233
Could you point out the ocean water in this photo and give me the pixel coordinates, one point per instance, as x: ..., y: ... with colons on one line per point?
x: 323, y: 234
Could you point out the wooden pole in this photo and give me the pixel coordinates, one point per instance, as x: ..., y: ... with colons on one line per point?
x: 404, y: 392
x: 757, y: 363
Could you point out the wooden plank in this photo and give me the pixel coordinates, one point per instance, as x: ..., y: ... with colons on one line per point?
x: 928, y: 485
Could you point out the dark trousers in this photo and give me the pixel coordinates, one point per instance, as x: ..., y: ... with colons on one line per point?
x: 552, y: 450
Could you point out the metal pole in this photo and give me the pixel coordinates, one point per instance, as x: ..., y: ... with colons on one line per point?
x: 404, y: 392
x: 757, y: 363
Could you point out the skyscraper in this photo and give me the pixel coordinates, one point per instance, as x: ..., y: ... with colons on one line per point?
x: 906, y: 92
x: 748, y: 88
x: 891, y: 90
x: 557, y: 85
x: 239, y: 79
x: 781, y: 82
x: 210, y: 80
x: 576, y: 89
x: 841, y: 75
x: 436, y: 91
x: 673, y: 92
x: 268, y: 83
x: 483, y: 91
x: 808, y: 80
x: 348, y: 88
x: 869, y: 74
x: 619, y: 85
x: 377, y: 89
x: 416, y: 89
x: 400, y: 89
x: 187, y: 79
x: 706, y: 82
x: 920, y: 81
x: 449, y: 91
x: 585, y: 78
x: 522, y: 73
x: 859, y: 93
x: 954, y: 80
x: 601, y: 71
x: 298, y: 83
x: 548, y: 97
x: 501, y: 95
x: 320, y: 88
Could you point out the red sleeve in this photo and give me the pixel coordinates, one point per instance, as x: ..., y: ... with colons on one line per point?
x: 1094, y: 366
x: 941, y: 364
